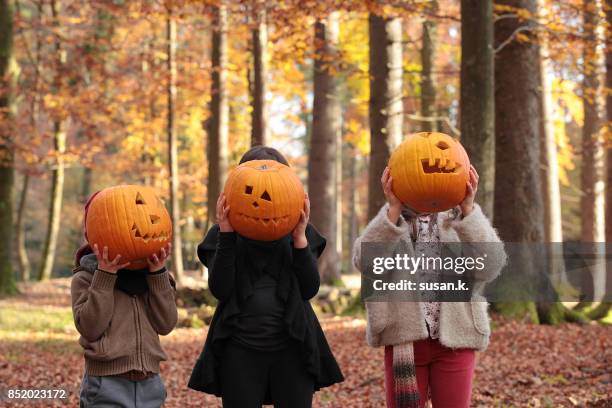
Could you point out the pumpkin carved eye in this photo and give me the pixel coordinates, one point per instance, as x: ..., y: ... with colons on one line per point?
x: 154, y: 219
x: 139, y: 199
x: 266, y: 196
x: 442, y: 145
x: 248, y: 189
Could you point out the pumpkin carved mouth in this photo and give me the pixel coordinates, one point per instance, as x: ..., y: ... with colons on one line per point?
x: 265, y: 221
x: 448, y: 166
x: 146, y: 237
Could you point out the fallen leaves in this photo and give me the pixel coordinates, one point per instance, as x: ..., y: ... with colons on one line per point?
x: 525, y: 366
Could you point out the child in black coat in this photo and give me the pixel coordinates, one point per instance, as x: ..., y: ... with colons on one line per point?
x: 265, y: 344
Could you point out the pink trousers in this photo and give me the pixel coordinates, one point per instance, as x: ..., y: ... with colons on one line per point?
x: 442, y: 373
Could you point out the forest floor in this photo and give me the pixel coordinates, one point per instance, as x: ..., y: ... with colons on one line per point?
x: 526, y: 365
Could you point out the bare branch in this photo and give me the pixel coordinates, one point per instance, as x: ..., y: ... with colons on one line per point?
x: 444, y: 119
x: 511, y: 37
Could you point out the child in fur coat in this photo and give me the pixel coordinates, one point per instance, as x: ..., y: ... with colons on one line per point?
x: 430, y: 346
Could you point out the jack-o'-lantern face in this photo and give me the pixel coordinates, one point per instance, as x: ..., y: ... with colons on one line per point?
x: 265, y: 199
x: 430, y: 171
x: 131, y: 221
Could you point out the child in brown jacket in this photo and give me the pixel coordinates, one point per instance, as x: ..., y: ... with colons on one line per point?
x: 120, y: 314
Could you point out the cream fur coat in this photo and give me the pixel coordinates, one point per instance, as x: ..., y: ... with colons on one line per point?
x: 462, y: 324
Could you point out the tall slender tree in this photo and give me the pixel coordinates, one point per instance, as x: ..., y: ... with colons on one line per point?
x: 518, y: 206
x: 175, y: 211
x: 386, y: 109
x: 608, y: 300
x: 57, y: 172
x: 550, y: 180
x: 7, y: 78
x: 518, y: 210
x: 217, y: 123
x: 477, y: 95
x: 551, y: 191
x: 99, y: 46
x: 518, y: 213
x: 609, y: 146
x: 592, y: 163
x: 591, y: 203
x: 592, y: 223
x: 338, y: 194
x: 324, y: 143
x: 428, y: 59
x: 20, y: 234
x: 602, y: 310
x: 259, y: 45
x: 20, y: 238
x: 151, y: 112
x: 353, y: 196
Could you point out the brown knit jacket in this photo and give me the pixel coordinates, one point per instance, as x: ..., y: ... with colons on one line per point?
x: 119, y: 332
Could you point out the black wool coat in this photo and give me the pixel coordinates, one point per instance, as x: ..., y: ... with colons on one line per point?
x: 231, y: 284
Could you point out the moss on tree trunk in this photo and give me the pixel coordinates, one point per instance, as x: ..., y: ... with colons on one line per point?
x: 600, y: 311
x: 7, y: 77
x: 517, y: 310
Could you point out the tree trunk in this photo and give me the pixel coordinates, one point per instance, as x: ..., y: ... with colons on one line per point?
x: 518, y: 208
x: 477, y: 95
x: 553, y: 232
x: 551, y: 190
x: 518, y: 199
x: 57, y: 174
x: 324, y: 144
x: 25, y: 267
x: 353, y: 199
x: 86, y: 184
x: 259, y: 125
x: 609, y: 150
x: 22, y: 253
x: 609, y: 153
x: 55, y: 204
x: 386, y: 109
x: 147, y: 157
x: 592, y: 165
x: 518, y: 205
x: 175, y: 210
x: 602, y: 310
x: 104, y: 29
x: 7, y: 84
x: 339, y: 196
x: 219, y: 112
x: 428, y: 83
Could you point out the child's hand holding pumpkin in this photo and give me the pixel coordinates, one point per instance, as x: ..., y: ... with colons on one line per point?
x: 157, y: 263
x: 223, y: 215
x: 104, y: 264
x: 467, y: 205
x: 395, y: 205
x: 299, y: 232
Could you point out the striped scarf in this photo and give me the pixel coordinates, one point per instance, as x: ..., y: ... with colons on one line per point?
x: 405, y: 391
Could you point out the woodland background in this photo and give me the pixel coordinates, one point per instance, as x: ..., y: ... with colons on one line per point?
x: 171, y: 93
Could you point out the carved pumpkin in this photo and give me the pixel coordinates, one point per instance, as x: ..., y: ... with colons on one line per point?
x: 430, y: 171
x: 265, y: 198
x: 130, y: 220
